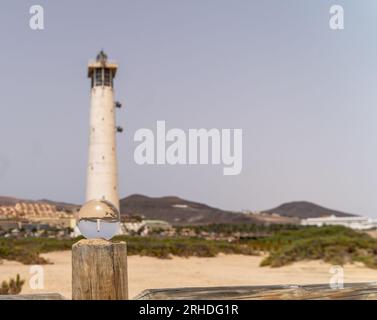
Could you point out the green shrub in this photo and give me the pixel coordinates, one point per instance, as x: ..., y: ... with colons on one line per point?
x: 333, y: 244
x: 182, y: 247
x: 284, y: 244
x: 13, y: 286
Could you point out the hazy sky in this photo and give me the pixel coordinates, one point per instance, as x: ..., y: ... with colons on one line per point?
x: 304, y: 95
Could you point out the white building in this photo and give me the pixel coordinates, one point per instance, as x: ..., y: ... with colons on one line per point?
x: 132, y: 226
x: 146, y: 226
x: 356, y: 223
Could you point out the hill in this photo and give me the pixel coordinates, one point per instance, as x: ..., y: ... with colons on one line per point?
x: 9, y: 201
x: 178, y: 211
x: 304, y: 209
x: 171, y: 209
x: 63, y: 206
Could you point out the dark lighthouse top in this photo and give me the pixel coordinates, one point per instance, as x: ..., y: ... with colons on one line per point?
x: 101, y: 72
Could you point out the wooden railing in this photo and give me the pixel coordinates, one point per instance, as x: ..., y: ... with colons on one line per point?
x: 355, y: 291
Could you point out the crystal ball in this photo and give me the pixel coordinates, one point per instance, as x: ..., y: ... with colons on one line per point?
x: 98, y: 219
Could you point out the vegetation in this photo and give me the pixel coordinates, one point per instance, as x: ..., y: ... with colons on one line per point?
x: 283, y: 244
x: 230, y: 228
x: 333, y: 244
x: 27, y: 250
x: 286, y: 244
x: 13, y: 286
x: 183, y: 247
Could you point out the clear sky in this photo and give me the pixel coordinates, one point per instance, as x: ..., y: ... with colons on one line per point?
x: 305, y: 96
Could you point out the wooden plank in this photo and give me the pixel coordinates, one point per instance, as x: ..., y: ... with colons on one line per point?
x: 99, y: 270
x: 43, y: 296
x: 355, y: 291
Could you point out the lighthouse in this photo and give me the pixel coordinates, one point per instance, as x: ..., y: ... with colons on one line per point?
x: 99, y: 217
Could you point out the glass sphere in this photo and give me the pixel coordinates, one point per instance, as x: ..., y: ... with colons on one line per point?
x: 98, y: 219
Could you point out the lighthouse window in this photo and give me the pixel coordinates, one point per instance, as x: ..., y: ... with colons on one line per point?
x: 99, y: 77
x: 107, y: 78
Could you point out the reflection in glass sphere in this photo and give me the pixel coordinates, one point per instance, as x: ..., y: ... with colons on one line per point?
x: 98, y: 219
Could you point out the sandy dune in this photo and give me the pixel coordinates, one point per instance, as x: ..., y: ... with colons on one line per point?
x: 224, y: 270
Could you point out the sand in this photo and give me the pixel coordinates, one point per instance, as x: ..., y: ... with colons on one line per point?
x: 224, y: 270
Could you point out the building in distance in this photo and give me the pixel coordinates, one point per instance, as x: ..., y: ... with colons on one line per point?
x: 356, y: 223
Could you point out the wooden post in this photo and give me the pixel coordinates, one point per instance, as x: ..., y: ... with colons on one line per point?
x: 99, y: 270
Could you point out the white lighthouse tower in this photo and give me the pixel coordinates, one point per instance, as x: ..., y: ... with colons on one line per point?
x: 102, y: 196
x: 102, y: 183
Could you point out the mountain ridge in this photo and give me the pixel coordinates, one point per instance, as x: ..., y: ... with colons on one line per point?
x: 306, y: 209
x: 178, y: 211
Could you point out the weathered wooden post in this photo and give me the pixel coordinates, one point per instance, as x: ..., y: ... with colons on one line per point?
x: 99, y: 270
